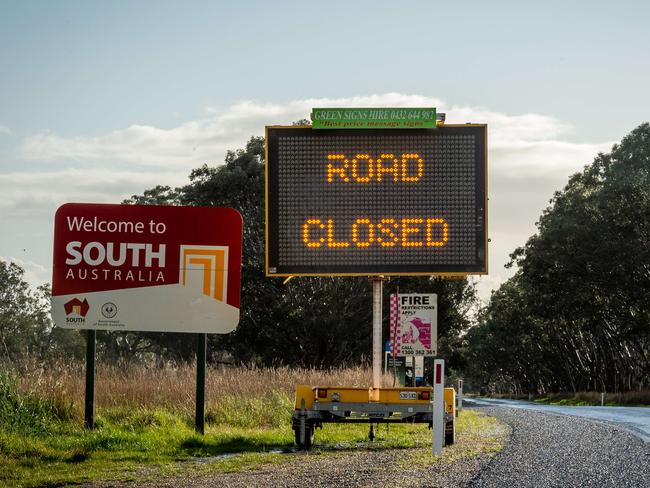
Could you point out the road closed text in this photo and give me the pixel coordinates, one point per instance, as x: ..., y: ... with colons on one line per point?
x: 388, y: 232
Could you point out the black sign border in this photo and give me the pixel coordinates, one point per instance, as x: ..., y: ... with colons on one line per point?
x: 272, y: 207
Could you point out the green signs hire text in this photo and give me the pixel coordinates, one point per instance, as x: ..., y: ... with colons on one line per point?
x: 373, y: 118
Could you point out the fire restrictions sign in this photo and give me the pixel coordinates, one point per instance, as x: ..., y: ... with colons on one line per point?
x: 376, y: 201
x: 414, y: 324
x: 147, y: 268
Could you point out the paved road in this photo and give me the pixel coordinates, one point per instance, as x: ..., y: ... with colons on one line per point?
x: 548, y: 450
x: 634, y: 419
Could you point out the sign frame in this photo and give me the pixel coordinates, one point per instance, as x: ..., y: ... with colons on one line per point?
x: 386, y: 271
x: 147, y: 268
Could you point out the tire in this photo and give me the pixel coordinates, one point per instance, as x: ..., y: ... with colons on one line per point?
x: 309, y: 437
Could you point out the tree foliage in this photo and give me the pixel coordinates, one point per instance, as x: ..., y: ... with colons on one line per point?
x: 25, y: 325
x: 576, y: 316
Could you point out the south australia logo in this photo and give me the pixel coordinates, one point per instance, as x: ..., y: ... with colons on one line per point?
x: 76, y: 311
x: 204, y: 269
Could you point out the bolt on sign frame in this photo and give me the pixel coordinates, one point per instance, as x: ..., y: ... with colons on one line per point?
x: 376, y: 202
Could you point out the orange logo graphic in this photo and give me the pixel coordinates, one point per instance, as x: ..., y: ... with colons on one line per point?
x: 204, y: 267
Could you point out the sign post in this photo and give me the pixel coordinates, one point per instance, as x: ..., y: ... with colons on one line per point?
x: 376, y: 331
x: 89, y: 400
x: 419, y: 370
x: 387, y: 348
x: 146, y: 268
x: 438, y: 404
x: 201, y: 353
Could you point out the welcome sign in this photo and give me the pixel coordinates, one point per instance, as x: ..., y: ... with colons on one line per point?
x: 147, y: 268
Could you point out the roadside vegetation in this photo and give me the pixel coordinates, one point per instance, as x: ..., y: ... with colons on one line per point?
x: 584, y: 398
x: 587, y: 398
x: 145, y: 423
x: 576, y: 314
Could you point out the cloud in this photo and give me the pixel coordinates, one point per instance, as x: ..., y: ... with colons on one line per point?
x: 205, y: 140
x: 530, y: 156
x: 532, y: 141
x: 4, y: 129
x: 37, y: 194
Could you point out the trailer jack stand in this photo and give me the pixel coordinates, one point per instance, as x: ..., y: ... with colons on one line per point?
x: 371, y: 434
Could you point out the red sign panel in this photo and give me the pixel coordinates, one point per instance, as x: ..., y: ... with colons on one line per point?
x: 146, y: 267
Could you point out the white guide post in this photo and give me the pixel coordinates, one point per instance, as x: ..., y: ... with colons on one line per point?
x: 438, y: 404
x: 376, y: 331
x: 459, y: 395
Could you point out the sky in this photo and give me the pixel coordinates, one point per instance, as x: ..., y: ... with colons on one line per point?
x: 102, y: 100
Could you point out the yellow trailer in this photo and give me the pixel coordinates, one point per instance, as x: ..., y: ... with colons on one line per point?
x: 316, y: 405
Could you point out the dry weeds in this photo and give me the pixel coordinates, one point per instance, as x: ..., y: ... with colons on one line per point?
x: 173, y: 386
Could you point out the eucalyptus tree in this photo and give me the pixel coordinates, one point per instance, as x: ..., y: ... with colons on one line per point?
x: 583, y: 280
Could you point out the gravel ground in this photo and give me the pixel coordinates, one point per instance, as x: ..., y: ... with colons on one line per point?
x: 357, y: 469
x: 543, y: 451
x: 560, y: 451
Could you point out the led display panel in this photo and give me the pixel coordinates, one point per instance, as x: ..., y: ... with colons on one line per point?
x: 376, y: 201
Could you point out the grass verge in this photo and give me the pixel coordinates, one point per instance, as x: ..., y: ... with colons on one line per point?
x: 476, y: 435
x: 638, y: 398
x: 43, y: 443
x: 587, y: 398
x: 159, y: 444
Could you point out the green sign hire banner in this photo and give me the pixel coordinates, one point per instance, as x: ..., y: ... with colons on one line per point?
x: 374, y: 118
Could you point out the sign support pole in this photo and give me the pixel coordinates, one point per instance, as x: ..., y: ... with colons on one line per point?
x: 438, y: 405
x: 89, y: 410
x: 201, y: 353
x: 376, y: 330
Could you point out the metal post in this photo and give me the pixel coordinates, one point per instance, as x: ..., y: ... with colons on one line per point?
x: 201, y: 353
x: 89, y: 411
x: 303, y: 422
x: 460, y: 395
x: 413, y: 371
x: 438, y: 404
x: 386, y: 362
x: 376, y: 331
